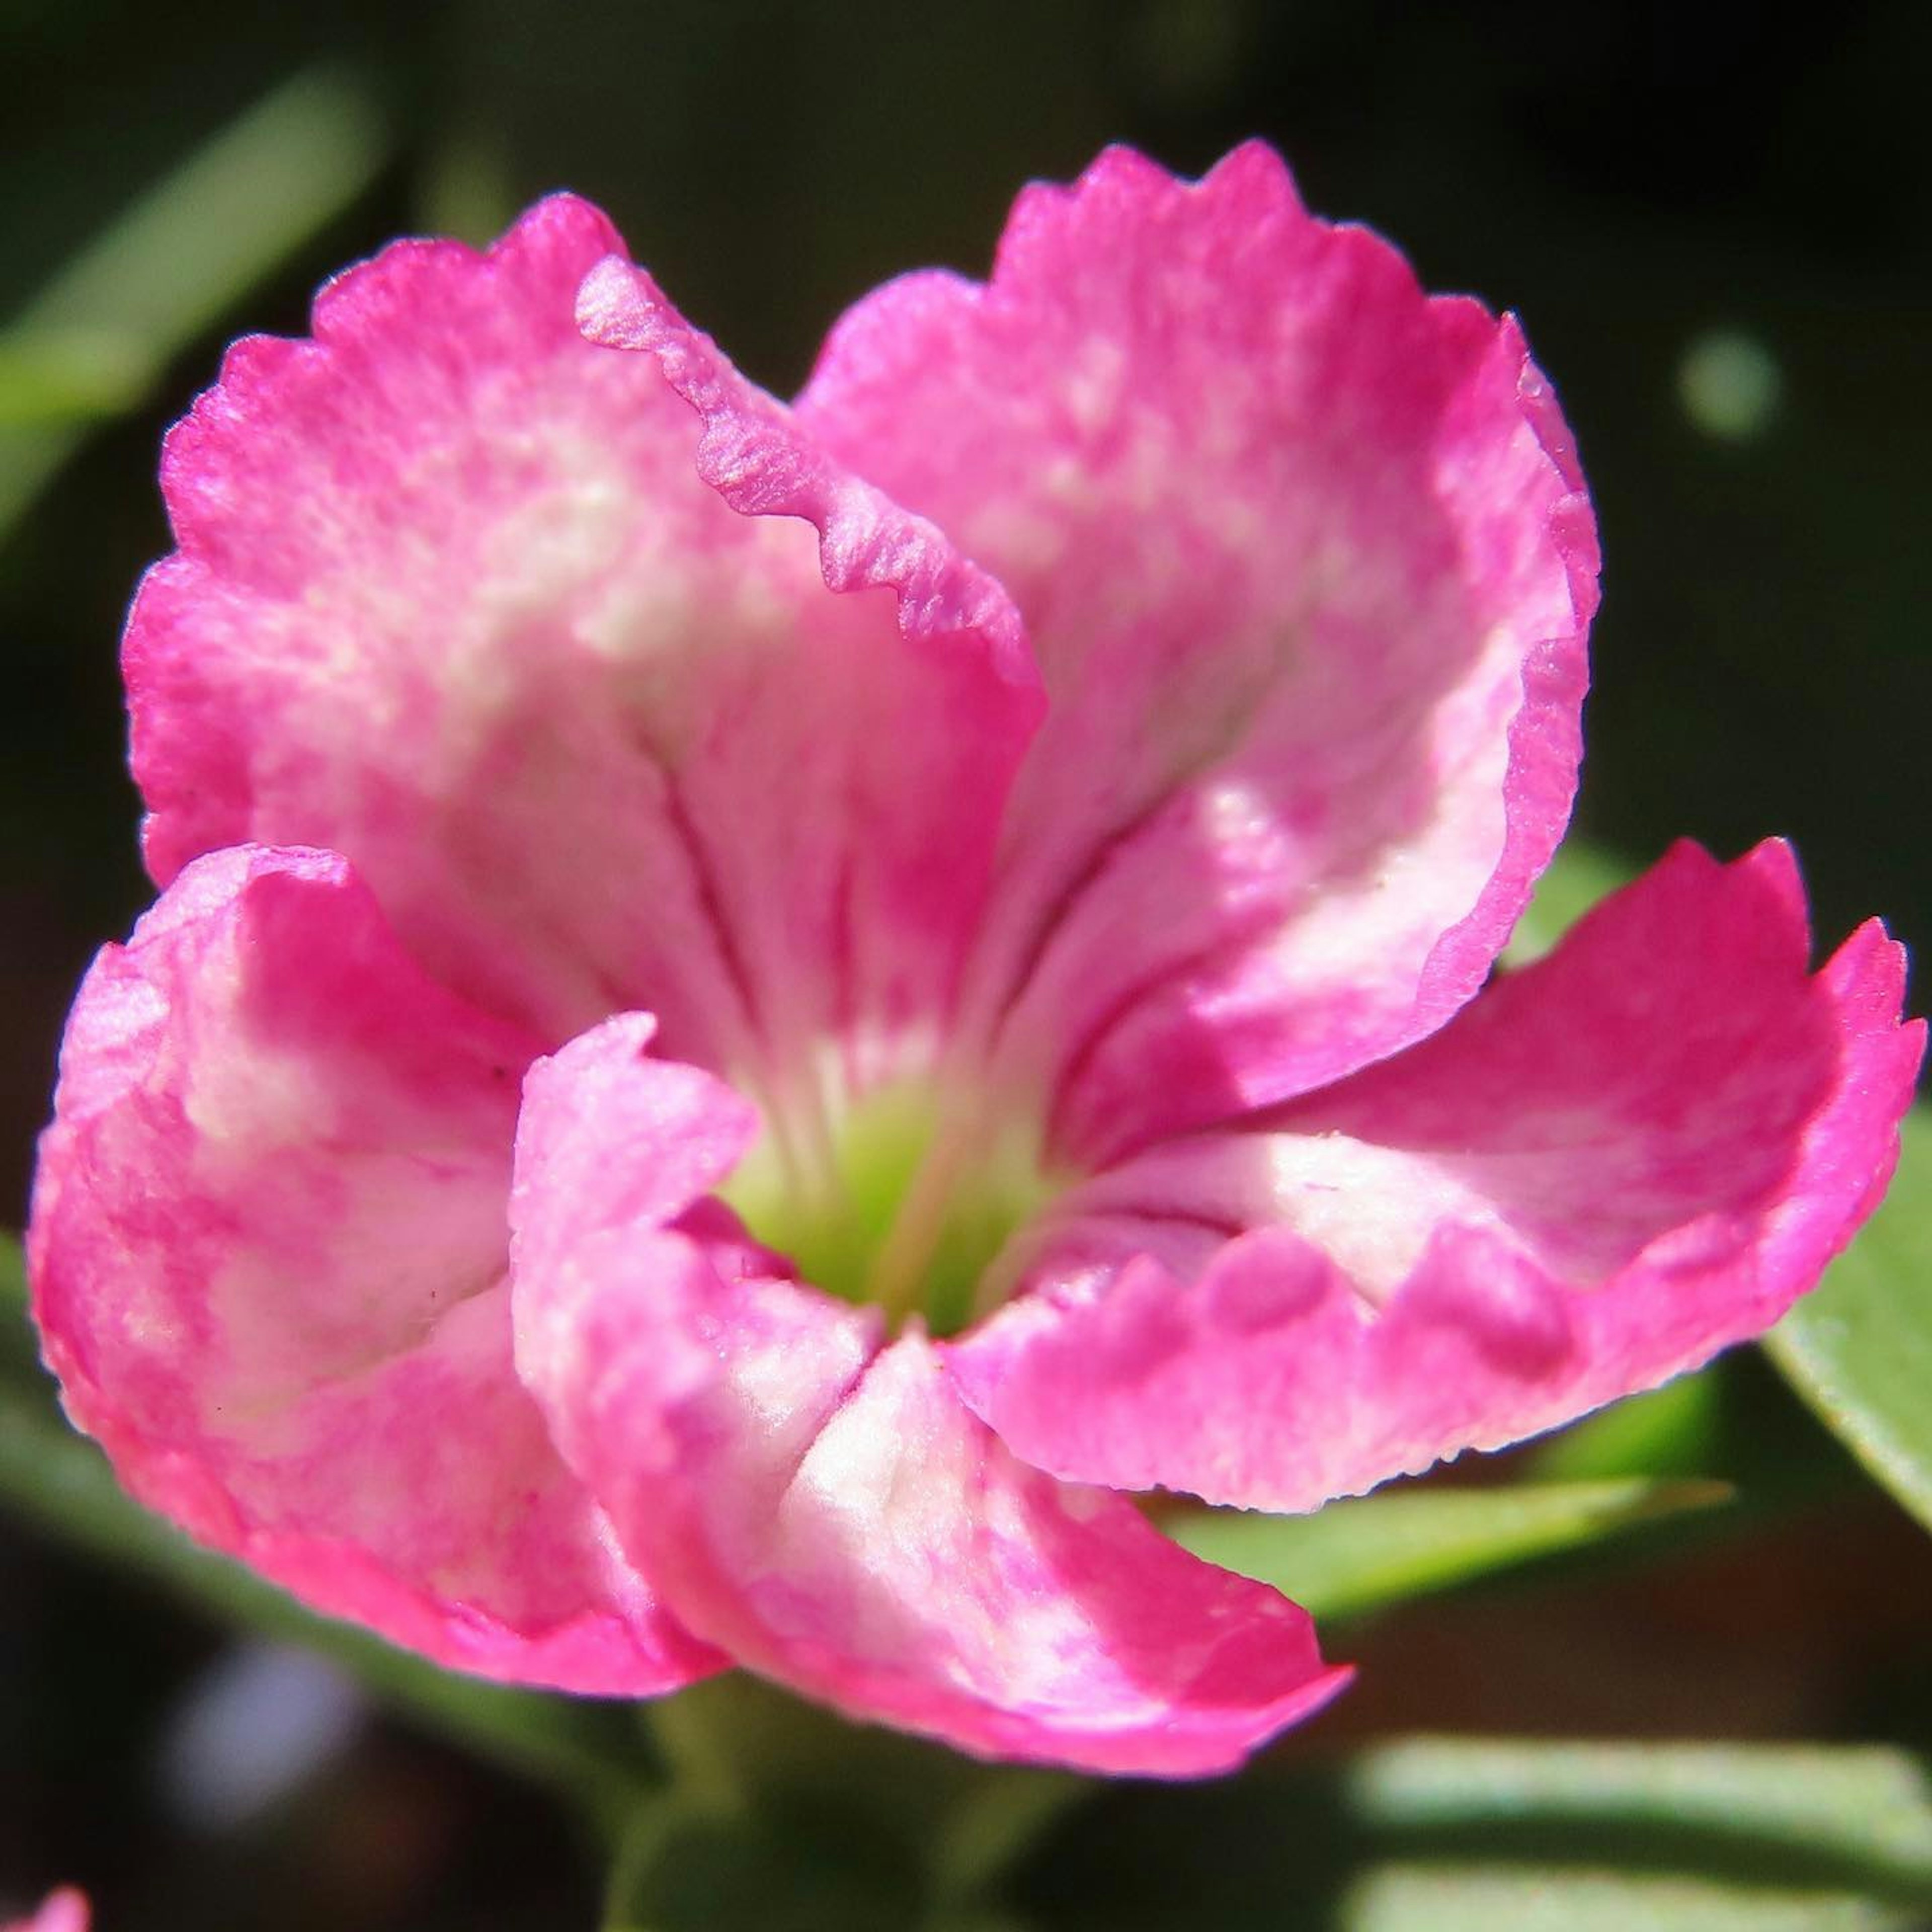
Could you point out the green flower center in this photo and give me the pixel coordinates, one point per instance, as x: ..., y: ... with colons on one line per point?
x: 901, y: 1202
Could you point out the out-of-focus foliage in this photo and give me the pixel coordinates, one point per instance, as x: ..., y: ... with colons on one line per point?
x: 96, y: 339
x: 1352, y: 1556
x: 1439, y: 1835
x: 1580, y: 874
x: 1860, y: 1349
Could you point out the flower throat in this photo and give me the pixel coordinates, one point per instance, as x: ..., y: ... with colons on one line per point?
x: 905, y: 1205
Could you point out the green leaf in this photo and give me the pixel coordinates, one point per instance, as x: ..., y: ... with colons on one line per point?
x: 1859, y: 1349
x: 1437, y: 1834
x: 1681, y: 1837
x: 100, y: 335
x: 1670, y: 1431
x: 1365, y: 1552
x: 1450, y: 1898
x: 1736, y: 1420
x: 1862, y: 1813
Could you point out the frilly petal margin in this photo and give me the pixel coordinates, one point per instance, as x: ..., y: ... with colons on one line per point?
x: 761, y: 459
x: 824, y: 1509
x: 269, y: 1254
x: 450, y: 597
x: 1307, y: 559
x: 1635, y: 1152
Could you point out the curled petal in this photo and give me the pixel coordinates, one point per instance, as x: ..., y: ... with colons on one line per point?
x: 825, y: 1510
x: 1609, y: 1166
x: 1306, y: 561
x: 269, y: 1257
x: 452, y: 598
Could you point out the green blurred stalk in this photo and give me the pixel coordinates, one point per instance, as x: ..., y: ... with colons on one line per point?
x: 97, y: 340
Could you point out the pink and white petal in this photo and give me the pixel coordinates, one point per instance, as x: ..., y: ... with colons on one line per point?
x: 825, y: 1511
x: 452, y: 598
x: 852, y: 797
x: 1610, y: 1166
x: 1307, y: 563
x: 269, y: 1252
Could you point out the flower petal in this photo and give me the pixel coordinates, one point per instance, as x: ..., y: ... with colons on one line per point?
x: 63, y: 1911
x: 825, y: 1510
x: 1306, y: 561
x: 452, y: 598
x: 1609, y: 1166
x: 269, y: 1254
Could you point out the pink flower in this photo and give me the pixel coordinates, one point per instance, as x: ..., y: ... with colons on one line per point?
x: 1058, y: 791
x: 62, y: 1911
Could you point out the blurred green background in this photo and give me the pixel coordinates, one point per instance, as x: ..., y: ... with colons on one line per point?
x: 1716, y: 222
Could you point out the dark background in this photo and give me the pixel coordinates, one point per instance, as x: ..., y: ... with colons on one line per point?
x: 1656, y: 190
